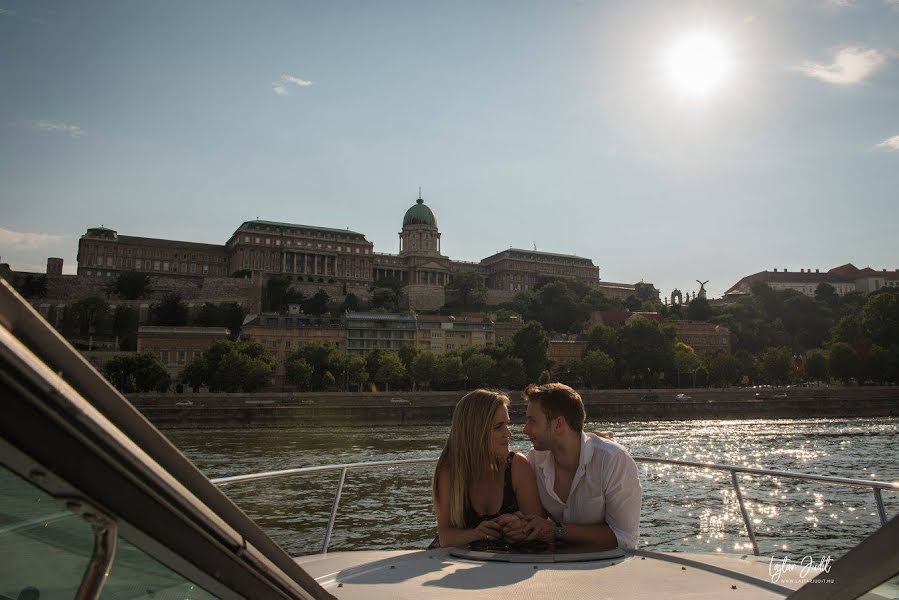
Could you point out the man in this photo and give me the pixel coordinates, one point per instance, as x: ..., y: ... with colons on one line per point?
x: 587, y: 484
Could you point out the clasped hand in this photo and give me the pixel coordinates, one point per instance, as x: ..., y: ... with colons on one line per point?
x: 519, y: 527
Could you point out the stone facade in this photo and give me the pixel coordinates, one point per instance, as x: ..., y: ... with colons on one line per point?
x: 102, y: 252
x: 177, y: 346
x: 704, y: 338
x: 566, y: 350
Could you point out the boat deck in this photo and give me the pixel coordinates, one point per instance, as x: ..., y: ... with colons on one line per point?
x: 415, y: 574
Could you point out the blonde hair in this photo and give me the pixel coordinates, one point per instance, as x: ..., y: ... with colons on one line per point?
x: 467, y: 451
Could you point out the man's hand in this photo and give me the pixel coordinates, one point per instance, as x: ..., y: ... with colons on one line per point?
x: 538, y: 528
x: 513, y: 526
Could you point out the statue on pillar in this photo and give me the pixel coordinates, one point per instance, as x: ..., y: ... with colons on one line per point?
x: 701, y: 288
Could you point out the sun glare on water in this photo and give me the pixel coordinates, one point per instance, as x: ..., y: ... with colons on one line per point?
x: 698, y: 63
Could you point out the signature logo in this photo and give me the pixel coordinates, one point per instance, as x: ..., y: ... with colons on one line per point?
x: 796, y: 571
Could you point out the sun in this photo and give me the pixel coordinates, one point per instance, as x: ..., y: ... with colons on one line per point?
x: 698, y: 63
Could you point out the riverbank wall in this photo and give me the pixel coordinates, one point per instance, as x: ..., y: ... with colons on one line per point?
x: 422, y: 408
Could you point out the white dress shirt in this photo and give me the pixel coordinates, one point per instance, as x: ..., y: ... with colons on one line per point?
x: 605, y: 488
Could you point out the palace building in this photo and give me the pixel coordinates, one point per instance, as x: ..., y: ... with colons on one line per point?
x: 337, y: 260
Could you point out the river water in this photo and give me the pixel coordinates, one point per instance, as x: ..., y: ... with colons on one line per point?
x: 683, y: 508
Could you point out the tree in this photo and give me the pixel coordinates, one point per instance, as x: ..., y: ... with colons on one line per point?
x: 647, y: 348
x: 298, y: 372
x: 386, y: 298
x: 747, y: 364
x: 238, y: 372
x: 138, y: 372
x: 599, y: 369
x: 355, y: 372
x: 724, y: 369
x: 843, y: 362
x: 228, y: 366
x: 391, y: 371
x: 423, y: 369
x: 130, y: 285
x: 170, y: 311
x: 449, y: 373
x: 407, y: 354
x: 317, y: 304
x: 329, y: 382
x: 685, y: 361
x: 776, y: 365
x: 477, y: 369
x: 699, y: 309
x: 814, y: 363
x: 194, y: 373
x: 124, y: 326
x: 880, y: 318
x: 848, y: 330
x: 469, y: 289
x: 225, y: 314
x: 276, y: 292
x: 350, y: 303
x: 530, y: 345
x: 86, y: 316
x: 605, y: 339
x: 321, y: 358
x: 571, y: 373
x: 808, y: 322
x: 510, y: 373
x: 827, y: 294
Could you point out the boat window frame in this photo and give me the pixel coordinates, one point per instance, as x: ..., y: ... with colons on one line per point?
x: 64, y: 418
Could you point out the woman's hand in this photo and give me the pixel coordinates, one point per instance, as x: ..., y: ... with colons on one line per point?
x: 513, y: 526
x: 487, y: 530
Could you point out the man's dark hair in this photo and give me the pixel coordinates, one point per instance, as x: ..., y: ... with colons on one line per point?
x: 558, y: 400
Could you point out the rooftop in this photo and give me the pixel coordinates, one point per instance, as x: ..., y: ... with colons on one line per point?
x: 251, y: 224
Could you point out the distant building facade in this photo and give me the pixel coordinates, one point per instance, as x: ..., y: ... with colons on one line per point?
x: 177, y: 346
x: 566, y: 350
x: 844, y: 279
x: 282, y: 334
x: 337, y: 260
x: 704, y: 338
x: 102, y: 252
x: 440, y: 334
x: 366, y: 331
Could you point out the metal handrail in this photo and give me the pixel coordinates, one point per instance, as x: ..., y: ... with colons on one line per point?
x: 876, y: 486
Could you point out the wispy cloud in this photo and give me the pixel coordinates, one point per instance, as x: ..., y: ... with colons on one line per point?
x: 59, y: 127
x: 5, y: 12
x: 22, y: 240
x: 280, y: 87
x: 890, y: 144
x: 850, y: 65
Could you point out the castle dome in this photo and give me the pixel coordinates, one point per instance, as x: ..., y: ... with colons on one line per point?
x: 419, y: 214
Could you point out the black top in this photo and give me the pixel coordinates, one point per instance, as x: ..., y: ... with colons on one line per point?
x: 509, y: 505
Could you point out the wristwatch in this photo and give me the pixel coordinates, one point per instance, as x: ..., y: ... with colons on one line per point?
x: 559, y: 532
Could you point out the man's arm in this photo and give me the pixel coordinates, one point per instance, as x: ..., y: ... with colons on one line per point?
x: 596, y: 534
x: 624, y: 498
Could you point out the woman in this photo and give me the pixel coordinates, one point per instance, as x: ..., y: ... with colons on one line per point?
x: 477, y: 478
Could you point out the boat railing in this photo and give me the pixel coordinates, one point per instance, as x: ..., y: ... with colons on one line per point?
x: 876, y: 487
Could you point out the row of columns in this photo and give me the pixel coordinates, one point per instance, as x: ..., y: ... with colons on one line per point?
x: 308, y: 264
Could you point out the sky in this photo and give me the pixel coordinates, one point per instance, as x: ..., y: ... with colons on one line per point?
x: 601, y: 129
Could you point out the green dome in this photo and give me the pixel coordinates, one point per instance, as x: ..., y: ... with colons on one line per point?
x: 419, y: 214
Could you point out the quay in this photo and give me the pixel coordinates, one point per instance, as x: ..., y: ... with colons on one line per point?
x: 191, y: 410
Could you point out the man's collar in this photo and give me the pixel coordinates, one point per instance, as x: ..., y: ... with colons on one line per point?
x: 586, y: 449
